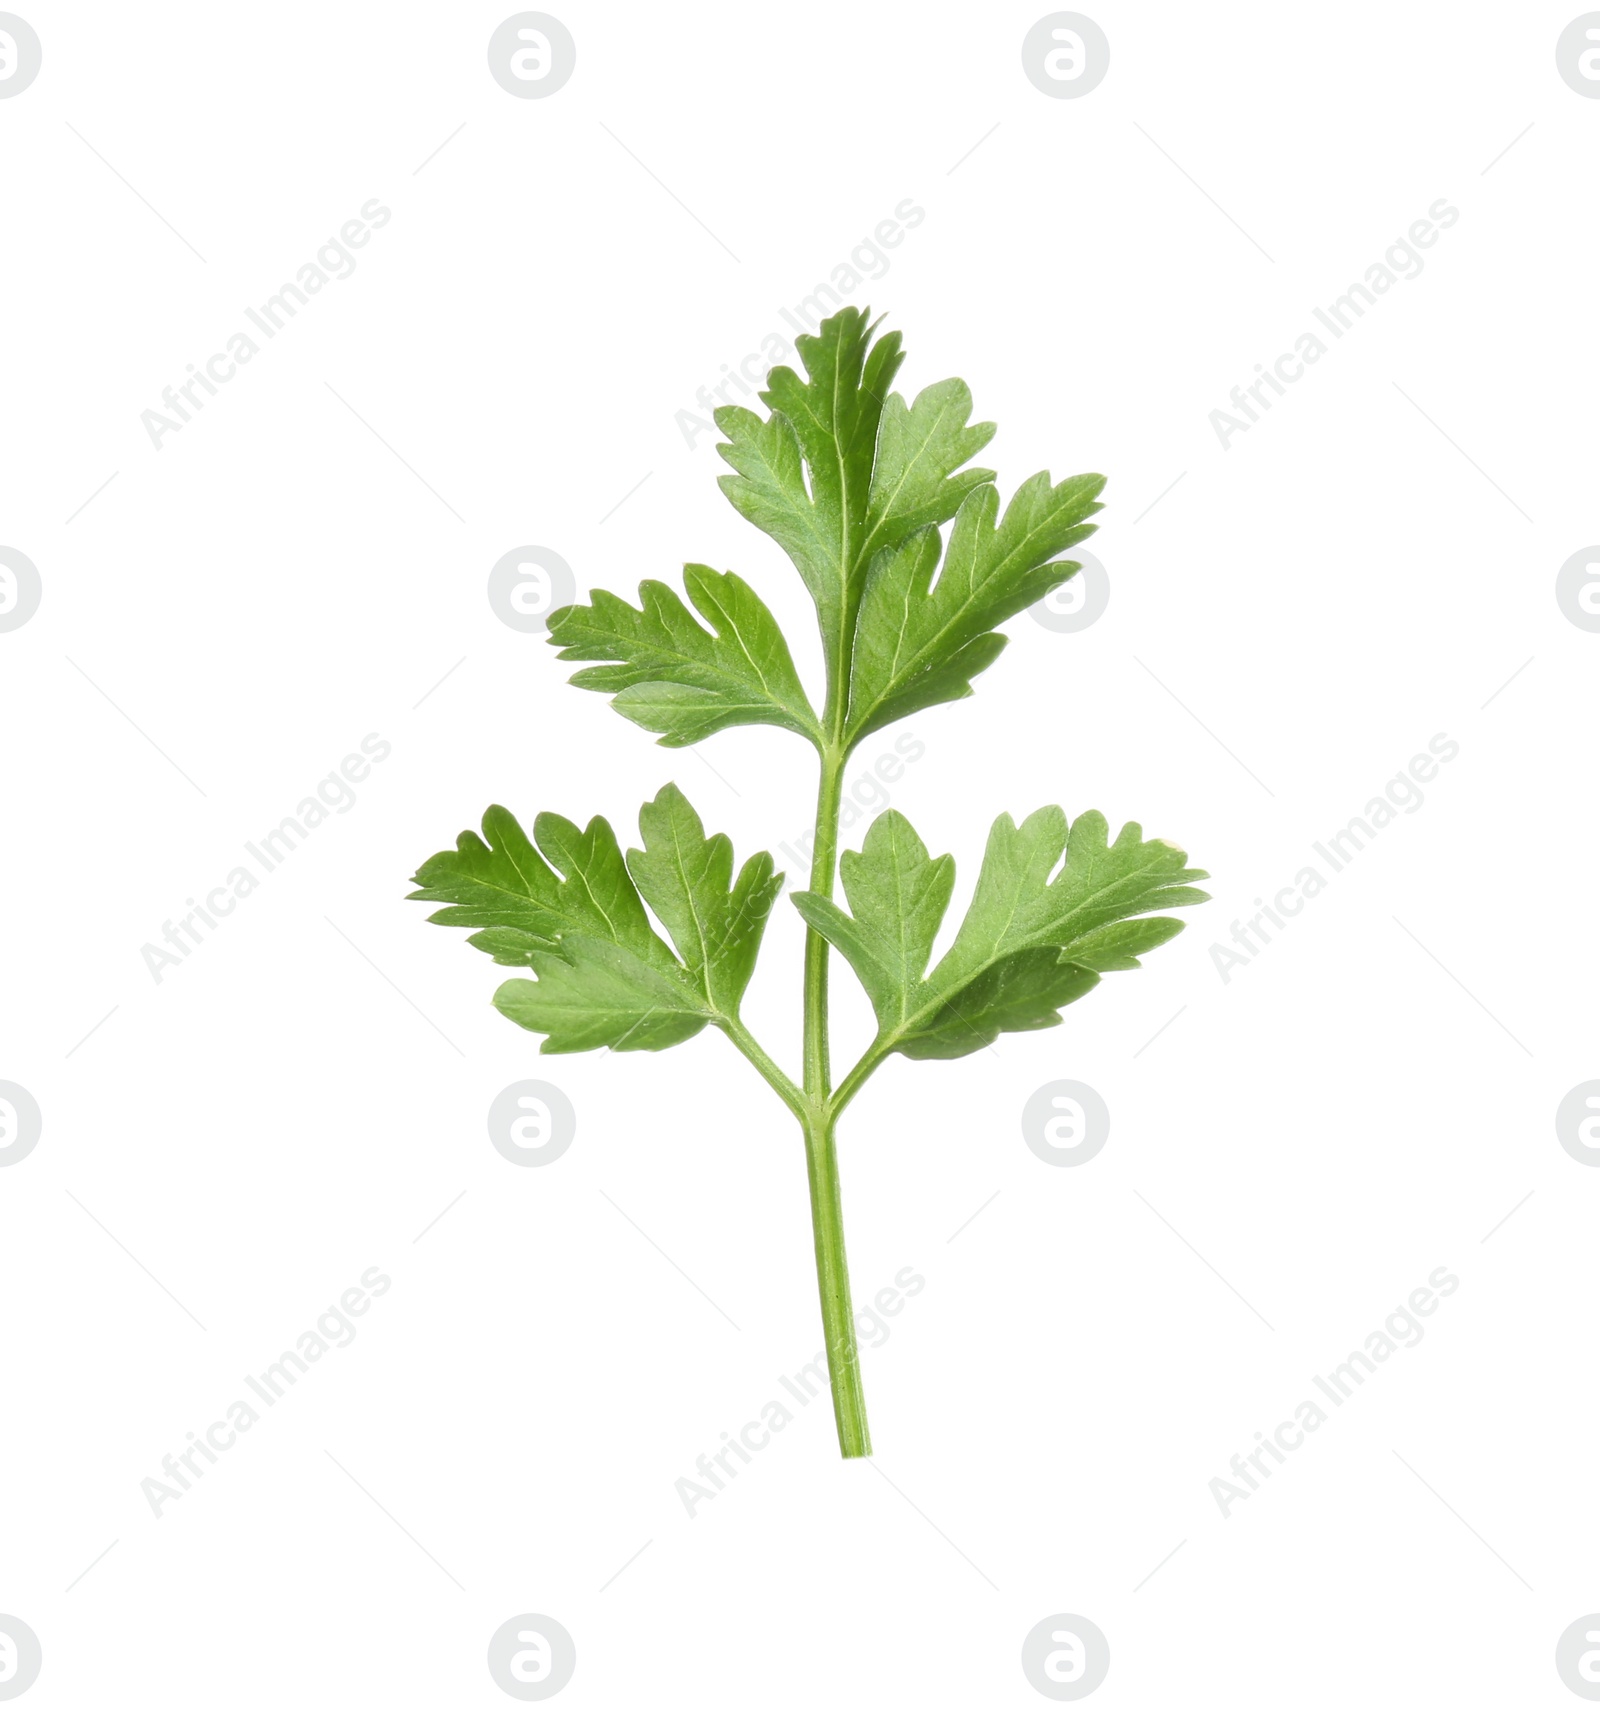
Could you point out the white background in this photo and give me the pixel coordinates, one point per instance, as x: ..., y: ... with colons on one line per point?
x: 275, y: 1116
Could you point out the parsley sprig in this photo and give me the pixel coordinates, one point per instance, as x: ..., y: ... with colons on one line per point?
x: 911, y: 565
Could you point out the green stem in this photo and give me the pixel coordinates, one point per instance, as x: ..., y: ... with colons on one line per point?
x: 740, y: 1037
x: 833, y: 1284
x: 857, y: 1076
x: 822, y: 1165
x: 830, y: 784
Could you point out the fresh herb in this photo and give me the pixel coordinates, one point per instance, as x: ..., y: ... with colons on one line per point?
x: 854, y: 484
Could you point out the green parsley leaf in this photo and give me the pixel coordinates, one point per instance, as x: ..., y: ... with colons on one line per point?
x: 919, y: 642
x: 1022, y: 992
x: 571, y: 911
x: 1036, y: 936
x: 829, y: 424
x: 498, y: 882
x: 920, y: 449
x: 596, y: 994
x: 675, y: 677
x: 843, y: 469
x: 898, y: 897
x: 715, y: 922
